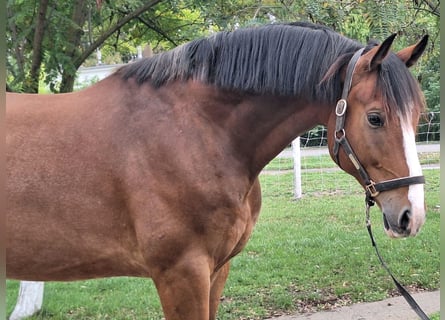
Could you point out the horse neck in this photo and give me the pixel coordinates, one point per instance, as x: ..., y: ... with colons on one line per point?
x: 272, y: 123
x: 259, y: 126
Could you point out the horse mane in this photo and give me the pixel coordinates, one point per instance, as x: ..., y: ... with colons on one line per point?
x: 280, y: 59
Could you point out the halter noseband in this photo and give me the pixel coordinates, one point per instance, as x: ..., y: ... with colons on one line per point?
x: 372, y: 188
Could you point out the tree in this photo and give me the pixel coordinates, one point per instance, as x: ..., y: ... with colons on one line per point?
x: 58, y: 41
x: 72, y: 32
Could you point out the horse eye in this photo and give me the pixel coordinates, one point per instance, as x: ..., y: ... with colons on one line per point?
x: 375, y: 120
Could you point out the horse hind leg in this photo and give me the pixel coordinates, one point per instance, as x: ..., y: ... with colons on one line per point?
x: 184, y: 289
x: 218, y: 281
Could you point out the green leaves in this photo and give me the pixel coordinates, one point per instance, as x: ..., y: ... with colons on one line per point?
x: 70, y: 42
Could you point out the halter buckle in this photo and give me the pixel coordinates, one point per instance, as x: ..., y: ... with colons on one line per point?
x: 371, y: 189
x: 341, y: 107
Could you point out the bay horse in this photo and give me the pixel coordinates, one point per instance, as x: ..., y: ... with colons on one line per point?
x: 153, y: 171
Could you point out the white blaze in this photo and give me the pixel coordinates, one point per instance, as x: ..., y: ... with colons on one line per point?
x: 415, y: 191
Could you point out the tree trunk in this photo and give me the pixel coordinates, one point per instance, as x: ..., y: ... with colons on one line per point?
x: 67, y: 83
x: 73, y: 37
x: 18, y: 47
x: 31, y: 84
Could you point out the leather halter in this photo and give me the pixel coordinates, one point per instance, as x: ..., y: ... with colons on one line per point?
x: 372, y: 188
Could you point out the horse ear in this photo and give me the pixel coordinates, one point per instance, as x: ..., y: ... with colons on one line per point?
x: 411, y: 54
x: 382, y: 52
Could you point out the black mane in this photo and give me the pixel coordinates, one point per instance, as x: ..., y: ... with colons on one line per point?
x: 280, y: 59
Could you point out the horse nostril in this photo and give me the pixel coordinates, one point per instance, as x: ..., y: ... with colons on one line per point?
x: 405, y: 219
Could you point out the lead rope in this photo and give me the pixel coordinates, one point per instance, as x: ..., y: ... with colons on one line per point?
x: 413, y: 304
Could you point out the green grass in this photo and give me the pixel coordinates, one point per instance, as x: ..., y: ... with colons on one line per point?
x: 429, y: 158
x: 304, y: 251
x: 307, y: 253
x: 325, y: 161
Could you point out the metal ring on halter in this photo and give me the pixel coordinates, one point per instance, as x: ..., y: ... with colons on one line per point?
x: 342, y: 136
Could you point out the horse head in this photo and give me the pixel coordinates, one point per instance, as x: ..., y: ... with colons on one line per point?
x: 384, y: 103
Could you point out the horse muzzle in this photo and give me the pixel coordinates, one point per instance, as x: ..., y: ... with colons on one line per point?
x: 405, y: 223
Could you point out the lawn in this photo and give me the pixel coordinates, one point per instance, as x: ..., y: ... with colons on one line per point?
x: 325, y: 161
x: 307, y: 254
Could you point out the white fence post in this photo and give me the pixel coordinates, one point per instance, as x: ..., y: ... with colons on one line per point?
x: 29, y: 300
x: 296, y: 155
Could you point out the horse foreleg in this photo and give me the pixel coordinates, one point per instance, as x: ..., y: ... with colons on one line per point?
x: 184, y: 289
x: 218, y: 281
